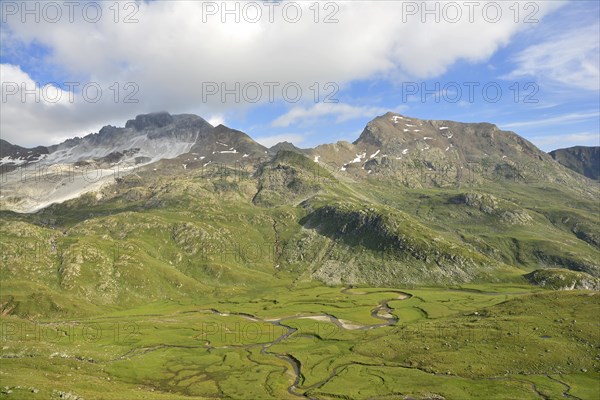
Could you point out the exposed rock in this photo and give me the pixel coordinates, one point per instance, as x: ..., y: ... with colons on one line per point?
x: 153, y: 120
x: 563, y: 279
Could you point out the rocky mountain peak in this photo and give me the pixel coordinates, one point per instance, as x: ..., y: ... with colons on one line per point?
x: 285, y: 146
x: 152, y: 120
x: 400, y: 135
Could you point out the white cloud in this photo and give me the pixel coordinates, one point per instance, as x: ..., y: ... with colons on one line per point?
x: 170, y: 52
x: 553, y: 142
x: 52, y: 116
x: 18, y: 87
x: 342, y: 112
x: 569, y: 58
x: 216, y: 120
x: 269, y: 141
x: 557, y: 120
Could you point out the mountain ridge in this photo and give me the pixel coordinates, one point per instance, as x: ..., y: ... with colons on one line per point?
x: 377, y: 132
x: 582, y: 159
x: 420, y: 153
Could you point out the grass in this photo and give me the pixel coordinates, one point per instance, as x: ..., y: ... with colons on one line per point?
x: 442, y: 344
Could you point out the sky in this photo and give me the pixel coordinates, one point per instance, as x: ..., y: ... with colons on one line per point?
x: 306, y: 72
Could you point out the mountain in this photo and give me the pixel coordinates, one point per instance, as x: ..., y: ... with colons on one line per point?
x: 581, y: 159
x: 38, y: 177
x: 443, y: 153
x: 222, y: 144
x: 409, y: 202
x: 12, y: 156
x: 144, y: 139
x: 287, y: 146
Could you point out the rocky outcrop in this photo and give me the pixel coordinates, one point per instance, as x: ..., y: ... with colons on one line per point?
x: 563, y: 279
x: 153, y: 120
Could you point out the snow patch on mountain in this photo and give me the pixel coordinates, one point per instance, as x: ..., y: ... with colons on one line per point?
x: 358, y: 158
x: 153, y: 149
x: 61, y: 183
x: 230, y: 151
x: 9, y: 160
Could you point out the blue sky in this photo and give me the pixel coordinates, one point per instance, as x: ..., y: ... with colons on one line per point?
x: 378, y: 56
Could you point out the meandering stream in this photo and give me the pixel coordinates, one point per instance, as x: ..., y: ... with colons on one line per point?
x: 382, y: 311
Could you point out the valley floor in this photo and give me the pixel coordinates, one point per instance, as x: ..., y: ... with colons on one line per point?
x: 312, y: 341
